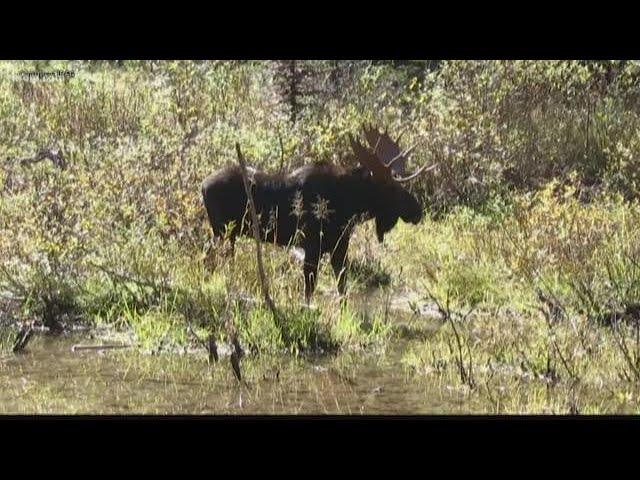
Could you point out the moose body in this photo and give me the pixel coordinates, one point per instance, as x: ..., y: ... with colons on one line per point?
x: 314, y: 207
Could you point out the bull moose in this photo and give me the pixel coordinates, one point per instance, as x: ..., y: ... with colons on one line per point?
x: 317, y: 206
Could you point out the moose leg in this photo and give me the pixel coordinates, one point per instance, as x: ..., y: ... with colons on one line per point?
x: 311, y: 260
x: 221, y: 245
x: 225, y: 238
x: 231, y: 248
x: 339, y: 263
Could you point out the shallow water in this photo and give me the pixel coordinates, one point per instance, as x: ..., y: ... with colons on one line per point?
x: 50, y: 378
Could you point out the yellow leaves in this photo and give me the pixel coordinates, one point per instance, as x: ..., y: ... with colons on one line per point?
x: 414, y: 84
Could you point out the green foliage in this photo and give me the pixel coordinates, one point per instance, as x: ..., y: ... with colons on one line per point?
x: 551, y: 288
x: 352, y: 328
x: 534, y: 190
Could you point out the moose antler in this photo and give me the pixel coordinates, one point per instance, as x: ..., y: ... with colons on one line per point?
x: 387, y: 150
x: 421, y: 170
x: 369, y: 160
x: 386, y: 161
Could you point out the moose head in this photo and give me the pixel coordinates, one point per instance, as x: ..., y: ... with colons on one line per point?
x: 384, y: 162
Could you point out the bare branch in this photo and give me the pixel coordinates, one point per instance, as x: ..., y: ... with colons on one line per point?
x: 55, y: 156
x: 256, y: 234
x: 23, y: 337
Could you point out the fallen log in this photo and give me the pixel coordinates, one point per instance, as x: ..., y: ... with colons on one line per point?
x: 76, y: 348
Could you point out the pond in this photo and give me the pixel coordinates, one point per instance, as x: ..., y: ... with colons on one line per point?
x: 51, y: 377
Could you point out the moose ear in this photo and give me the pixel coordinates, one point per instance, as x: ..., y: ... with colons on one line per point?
x: 369, y: 161
x: 362, y: 154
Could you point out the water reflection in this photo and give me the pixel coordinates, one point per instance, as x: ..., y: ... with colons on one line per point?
x: 50, y: 378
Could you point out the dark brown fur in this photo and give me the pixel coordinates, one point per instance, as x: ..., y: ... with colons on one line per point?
x: 351, y: 197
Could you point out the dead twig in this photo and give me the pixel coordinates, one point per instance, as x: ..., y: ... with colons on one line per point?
x: 235, y: 363
x: 76, y: 348
x: 24, y: 335
x: 548, y: 313
x: 210, y: 345
x: 127, y: 278
x: 55, y: 156
x: 281, y: 150
x: 632, y: 363
x: 19, y: 287
x: 213, y: 349
x: 466, y: 372
x: 256, y: 235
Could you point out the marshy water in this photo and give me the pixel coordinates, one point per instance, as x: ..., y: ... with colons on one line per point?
x: 53, y: 379
x: 50, y: 377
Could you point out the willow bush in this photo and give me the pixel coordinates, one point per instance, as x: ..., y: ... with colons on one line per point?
x: 122, y: 217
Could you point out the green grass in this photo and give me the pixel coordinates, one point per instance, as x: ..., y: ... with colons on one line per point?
x: 536, y: 287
